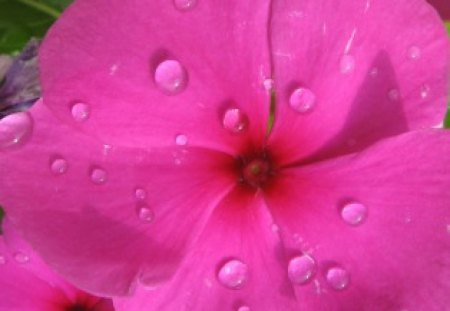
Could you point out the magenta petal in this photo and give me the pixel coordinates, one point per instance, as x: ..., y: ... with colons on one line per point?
x: 116, y: 211
x: 376, y: 223
x: 158, y: 71
x: 375, y: 70
x: 237, y: 262
x: 443, y: 7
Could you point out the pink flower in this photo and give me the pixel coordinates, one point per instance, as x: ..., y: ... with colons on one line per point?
x: 27, y: 284
x: 443, y: 7
x: 153, y: 157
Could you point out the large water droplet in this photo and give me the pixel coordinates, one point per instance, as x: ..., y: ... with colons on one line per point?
x: 302, y: 100
x: 354, y: 213
x: 59, y: 166
x: 301, y: 269
x: 181, y: 140
x: 21, y: 258
x: 185, y: 5
x: 14, y: 129
x: 337, y: 278
x: 234, y: 120
x: 99, y: 176
x: 347, y: 64
x: 145, y: 214
x: 81, y: 112
x: 171, y: 77
x: 414, y: 53
x: 140, y: 194
x: 233, y: 274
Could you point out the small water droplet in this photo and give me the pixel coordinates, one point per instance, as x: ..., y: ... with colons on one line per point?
x: 354, y: 213
x: 302, y: 100
x: 301, y: 269
x: 275, y: 228
x: 338, y: 278
x: 171, y: 77
x: 181, y: 140
x: 234, y: 120
x: 394, y: 95
x: 185, y: 5
x: 21, y: 258
x: 347, y: 64
x: 107, y: 149
x: 374, y: 72
x: 233, y: 274
x: 2, y: 260
x: 59, y: 166
x: 268, y: 84
x: 425, y: 91
x: 145, y: 214
x: 140, y: 194
x: 99, y: 176
x: 81, y: 112
x: 244, y: 308
x: 414, y: 53
x: 14, y: 129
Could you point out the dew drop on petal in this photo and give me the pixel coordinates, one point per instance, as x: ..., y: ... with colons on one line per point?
x: 140, y: 194
x: 21, y: 258
x: 424, y: 91
x: 301, y: 269
x: 99, y: 176
x: 80, y: 112
x: 233, y: 274
x: 234, y: 120
x: 244, y: 308
x: 302, y: 100
x: 171, y: 77
x: 347, y: 64
x: 394, y: 95
x: 14, y: 129
x: 181, y: 140
x: 354, y: 213
x: 185, y: 5
x: 59, y: 166
x: 145, y: 214
x: 337, y: 278
x: 2, y: 260
x: 414, y: 53
x: 374, y: 72
x: 268, y: 84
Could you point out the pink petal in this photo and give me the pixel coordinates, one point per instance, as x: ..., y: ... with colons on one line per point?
x: 238, y: 237
x: 116, y: 211
x: 27, y: 284
x: 376, y: 70
x: 379, y: 220
x: 443, y: 7
x: 158, y: 71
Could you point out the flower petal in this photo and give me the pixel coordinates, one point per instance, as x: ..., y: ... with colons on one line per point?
x: 116, y: 211
x: 376, y: 69
x: 238, y: 236
x: 382, y: 216
x: 157, y: 70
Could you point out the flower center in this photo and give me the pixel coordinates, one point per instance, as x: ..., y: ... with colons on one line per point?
x: 255, y: 171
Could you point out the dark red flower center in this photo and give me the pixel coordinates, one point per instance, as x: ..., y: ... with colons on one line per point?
x: 255, y: 170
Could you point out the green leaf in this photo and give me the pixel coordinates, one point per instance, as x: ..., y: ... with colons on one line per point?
x: 22, y: 19
x: 447, y: 25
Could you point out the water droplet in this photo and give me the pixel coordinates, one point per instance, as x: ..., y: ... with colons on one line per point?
x: 58, y: 166
x: 140, y: 194
x: 235, y: 121
x: 425, y: 91
x: 268, y: 84
x: 414, y: 53
x: 81, y: 112
x: 302, y: 100
x: 181, y: 140
x: 301, y: 269
x: 244, y: 308
x: 275, y: 228
x: 347, y: 64
x: 171, y: 77
x: 354, y: 213
x: 14, y: 129
x: 374, y: 72
x: 185, y: 5
x: 2, y: 260
x: 145, y: 214
x: 394, y: 95
x: 21, y: 258
x: 338, y: 278
x: 99, y: 176
x: 233, y: 274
